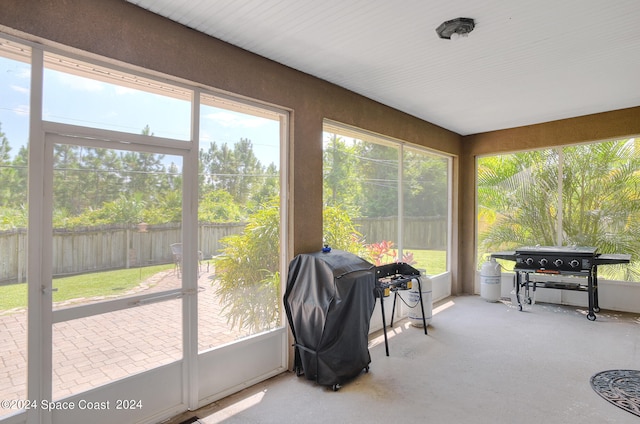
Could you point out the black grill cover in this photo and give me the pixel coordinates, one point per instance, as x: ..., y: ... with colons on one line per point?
x: 329, y: 301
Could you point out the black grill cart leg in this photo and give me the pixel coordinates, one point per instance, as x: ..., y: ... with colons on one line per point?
x: 384, y: 322
x: 591, y: 316
x: 393, y: 309
x: 596, y: 305
x: 424, y: 319
x: 517, y: 278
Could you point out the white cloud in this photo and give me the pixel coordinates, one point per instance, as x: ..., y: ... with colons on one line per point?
x: 21, y: 110
x: 20, y: 89
x: 232, y: 120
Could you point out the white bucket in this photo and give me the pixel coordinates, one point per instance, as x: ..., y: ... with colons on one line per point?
x: 413, y: 301
x: 490, y: 281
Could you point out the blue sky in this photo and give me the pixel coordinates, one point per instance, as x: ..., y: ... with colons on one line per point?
x: 14, y: 102
x: 81, y: 101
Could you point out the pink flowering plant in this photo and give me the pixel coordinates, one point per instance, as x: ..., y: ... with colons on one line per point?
x: 383, y: 253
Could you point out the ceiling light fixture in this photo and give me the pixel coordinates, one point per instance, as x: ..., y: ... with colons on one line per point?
x: 459, y: 27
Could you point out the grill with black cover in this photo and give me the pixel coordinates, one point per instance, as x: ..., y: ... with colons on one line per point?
x: 329, y: 300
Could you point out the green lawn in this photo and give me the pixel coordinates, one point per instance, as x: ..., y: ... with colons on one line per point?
x: 85, y: 285
x: 434, y: 261
x: 112, y: 282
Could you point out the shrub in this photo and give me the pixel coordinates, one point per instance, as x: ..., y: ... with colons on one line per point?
x: 247, y: 271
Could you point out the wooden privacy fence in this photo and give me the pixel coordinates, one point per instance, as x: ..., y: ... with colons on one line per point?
x: 101, y: 248
x: 429, y: 232
x: 13, y: 255
x: 107, y: 247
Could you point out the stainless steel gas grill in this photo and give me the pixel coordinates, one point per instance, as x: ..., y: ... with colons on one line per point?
x: 563, y: 260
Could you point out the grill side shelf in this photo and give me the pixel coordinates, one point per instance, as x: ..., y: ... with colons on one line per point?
x: 612, y: 259
x: 509, y: 255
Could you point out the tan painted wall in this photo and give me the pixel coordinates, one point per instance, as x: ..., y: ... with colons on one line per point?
x: 603, y: 126
x: 118, y: 30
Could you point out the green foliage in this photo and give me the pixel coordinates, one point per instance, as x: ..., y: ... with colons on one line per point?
x: 340, y: 171
x: 120, y: 211
x: 378, y: 173
x: 247, y: 272
x: 13, y: 184
x: 168, y: 208
x: 237, y: 171
x: 95, y: 186
x: 426, y: 186
x: 267, y: 188
x: 340, y: 232
x: 362, y: 177
x: 11, y: 218
x: 219, y: 206
x: 518, y: 200
x: 517, y: 196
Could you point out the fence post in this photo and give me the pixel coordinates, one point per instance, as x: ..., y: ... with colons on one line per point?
x: 126, y: 250
x: 21, y: 256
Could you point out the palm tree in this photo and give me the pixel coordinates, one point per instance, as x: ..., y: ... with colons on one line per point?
x: 600, y: 204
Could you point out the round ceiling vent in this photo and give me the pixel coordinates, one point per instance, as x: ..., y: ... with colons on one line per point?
x: 455, y: 28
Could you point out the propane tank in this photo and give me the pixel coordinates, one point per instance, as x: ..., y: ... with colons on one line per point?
x: 490, y: 281
x: 413, y: 301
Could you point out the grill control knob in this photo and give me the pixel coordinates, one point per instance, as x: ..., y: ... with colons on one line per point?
x: 558, y: 262
x: 529, y: 261
x: 574, y: 263
x: 543, y: 262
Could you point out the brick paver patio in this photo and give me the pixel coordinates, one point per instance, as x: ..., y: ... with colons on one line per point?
x: 92, y: 351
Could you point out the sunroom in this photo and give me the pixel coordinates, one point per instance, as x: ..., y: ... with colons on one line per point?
x: 162, y: 162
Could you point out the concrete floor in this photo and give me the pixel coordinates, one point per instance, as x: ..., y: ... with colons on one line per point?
x: 481, y: 363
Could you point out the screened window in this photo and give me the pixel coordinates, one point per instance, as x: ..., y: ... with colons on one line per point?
x: 583, y: 195
x: 108, y: 99
x: 120, y: 258
x: 385, y: 201
x: 239, y: 216
x: 14, y: 136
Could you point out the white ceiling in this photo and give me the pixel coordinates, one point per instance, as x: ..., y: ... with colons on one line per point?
x: 526, y: 61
